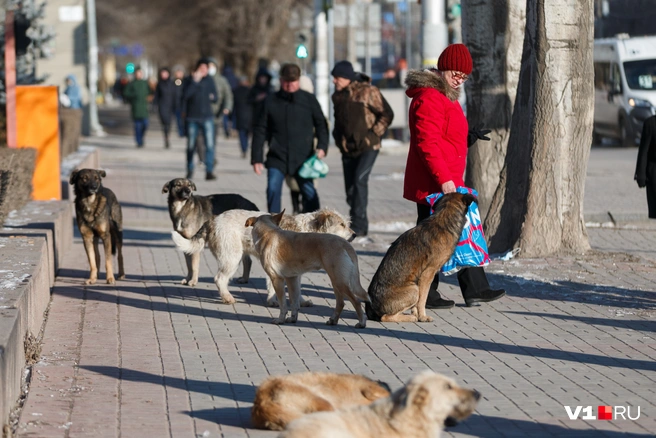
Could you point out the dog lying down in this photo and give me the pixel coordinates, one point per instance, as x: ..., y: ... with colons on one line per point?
x: 420, y: 409
x: 281, y: 399
x: 286, y: 255
x: 232, y: 243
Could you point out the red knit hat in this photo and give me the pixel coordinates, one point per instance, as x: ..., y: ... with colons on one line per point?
x: 455, y: 57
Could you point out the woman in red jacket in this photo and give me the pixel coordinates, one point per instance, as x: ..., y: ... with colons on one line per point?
x: 438, y: 154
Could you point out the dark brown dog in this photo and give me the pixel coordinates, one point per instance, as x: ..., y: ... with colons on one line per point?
x: 281, y: 399
x: 189, y: 212
x: 402, y: 280
x: 99, y: 216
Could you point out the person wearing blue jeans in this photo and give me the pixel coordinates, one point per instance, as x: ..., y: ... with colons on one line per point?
x: 193, y: 128
x: 289, y: 121
x: 275, y: 178
x: 140, y: 128
x: 199, y: 94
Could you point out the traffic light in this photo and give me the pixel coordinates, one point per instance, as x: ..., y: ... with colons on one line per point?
x: 301, y: 51
x: 129, y: 68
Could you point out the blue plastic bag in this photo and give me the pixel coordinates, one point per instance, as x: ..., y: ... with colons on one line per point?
x: 313, y: 168
x: 471, y: 249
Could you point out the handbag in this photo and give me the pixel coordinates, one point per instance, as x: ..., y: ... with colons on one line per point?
x: 471, y: 249
x: 313, y: 168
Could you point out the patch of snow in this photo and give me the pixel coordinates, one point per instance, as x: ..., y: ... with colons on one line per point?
x: 12, y: 282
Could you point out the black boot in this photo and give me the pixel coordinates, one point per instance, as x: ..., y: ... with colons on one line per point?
x: 435, y: 300
x: 475, y: 287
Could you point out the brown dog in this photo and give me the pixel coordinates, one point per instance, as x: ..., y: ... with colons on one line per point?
x: 286, y: 255
x: 280, y: 400
x: 404, y: 276
x: 420, y: 409
x: 99, y: 216
x: 189, y: 212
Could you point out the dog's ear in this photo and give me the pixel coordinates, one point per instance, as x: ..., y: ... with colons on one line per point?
x: 102, y: 173
x: 412, y: 395
x: 250, y: 221
x: 193, y: 186
x: 468, y: 199
x: 277, y: 218
x: 73, y: 178
x: 167, y: 187
x: 321, y: 219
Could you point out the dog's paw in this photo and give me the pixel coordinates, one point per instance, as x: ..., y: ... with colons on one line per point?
x: 111, y: 280
x: 273, y: 303
x: 184, y: 281
x: 361, y: 325
x: 425, y: 319
x: 192, y: 283
x: 278, y: 321
x: 228, y: 300
x: 306, y: 303
x: 121, y: 277
x: 241, y: 280
x: 90, y: 281
x: 331, y: 321
x: 291, y: 320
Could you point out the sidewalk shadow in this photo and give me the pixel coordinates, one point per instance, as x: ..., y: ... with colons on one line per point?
x: 230, y: 391
x: 631, y: 324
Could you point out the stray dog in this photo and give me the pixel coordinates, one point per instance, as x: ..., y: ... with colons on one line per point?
x: 231, y: 242
x: 189, y: 212
x: 99, y: 216
x: 404, y: 276
x: 286, y: 255
x: 280, y: 400
x: 420, y: 409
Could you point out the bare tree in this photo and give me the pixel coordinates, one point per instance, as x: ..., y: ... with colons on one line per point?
x: 493, y: 30
x: 538, y: 205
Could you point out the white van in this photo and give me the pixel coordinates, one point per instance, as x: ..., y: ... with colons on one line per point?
x: 625, y: 86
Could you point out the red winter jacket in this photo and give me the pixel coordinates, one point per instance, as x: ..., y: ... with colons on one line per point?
x: 438, y: 136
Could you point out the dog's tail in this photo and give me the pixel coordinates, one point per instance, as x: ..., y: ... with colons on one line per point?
x: 116, y: 237
x: 195, y: 244
x: 371, y: 314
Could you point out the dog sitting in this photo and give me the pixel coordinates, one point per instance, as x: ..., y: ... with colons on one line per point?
x: 189, y: 212
x: 98, y: 216
x: 286, y: 255
x: 231, y: 243
x: 403, y: 278
x: 281, y: 399
x: 420, y: 409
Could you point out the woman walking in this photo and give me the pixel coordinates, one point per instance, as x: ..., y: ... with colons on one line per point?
x: 165, y: 94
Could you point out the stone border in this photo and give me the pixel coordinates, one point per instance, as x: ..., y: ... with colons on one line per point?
x: 24, y: 297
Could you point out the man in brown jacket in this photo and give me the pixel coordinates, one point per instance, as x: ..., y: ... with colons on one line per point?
x: 362, y: 116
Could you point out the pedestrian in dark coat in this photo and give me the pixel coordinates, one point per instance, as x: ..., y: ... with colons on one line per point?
x: 289, y: 122
x: 437, y: 155
x: 179, y: 83
x: 260, y: 91
x: 362, y: 116
x: 137, y: 93
x: 243, y: 111
x: 646, y: 167
x: 199, y: 94
x: 165, y: 100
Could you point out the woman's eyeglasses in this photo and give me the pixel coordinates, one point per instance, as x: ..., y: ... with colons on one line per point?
x: 459, y: 76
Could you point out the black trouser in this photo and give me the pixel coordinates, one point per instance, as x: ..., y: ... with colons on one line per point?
x: 356, y: 181
x: 471, y: 280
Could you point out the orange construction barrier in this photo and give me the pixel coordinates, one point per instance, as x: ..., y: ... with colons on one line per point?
x: 37, y: 126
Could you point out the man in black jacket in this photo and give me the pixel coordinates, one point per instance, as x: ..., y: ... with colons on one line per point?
x: 290, y: 120
x: 199, y: 94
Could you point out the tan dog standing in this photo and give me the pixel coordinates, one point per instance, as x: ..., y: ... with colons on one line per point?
x: 286, y: 255
x: 281, y: 399
x: 420, y: 409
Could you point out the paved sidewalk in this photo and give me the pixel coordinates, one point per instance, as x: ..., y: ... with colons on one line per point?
x: 149, y: 357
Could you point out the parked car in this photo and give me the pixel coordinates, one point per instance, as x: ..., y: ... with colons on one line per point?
x: 625, y: 87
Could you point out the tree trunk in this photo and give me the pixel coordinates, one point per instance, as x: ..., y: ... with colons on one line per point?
x: 538, y: 205
x: 493, y: 30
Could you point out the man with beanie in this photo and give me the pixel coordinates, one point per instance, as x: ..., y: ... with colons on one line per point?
x: 198, y: 97
x: 362, y: 116
x: 289, y: 121
x: 439, y: 138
